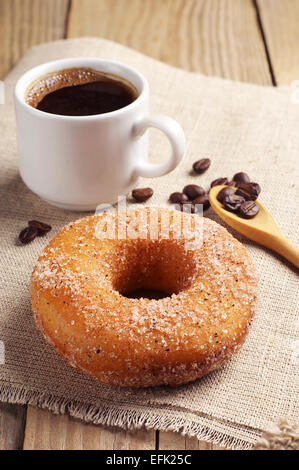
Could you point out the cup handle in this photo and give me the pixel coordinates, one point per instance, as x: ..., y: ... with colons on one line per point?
x: 176, y: 137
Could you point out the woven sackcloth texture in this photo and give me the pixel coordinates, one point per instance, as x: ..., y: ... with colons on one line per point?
x: 241, y: 127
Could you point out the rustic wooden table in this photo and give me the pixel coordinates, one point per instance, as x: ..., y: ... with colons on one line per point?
x: 248, y: 40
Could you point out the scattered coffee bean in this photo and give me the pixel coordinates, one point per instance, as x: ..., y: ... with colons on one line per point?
x: 193, y: 191
x: 142, y: 194
x: 41, y: 227
x: 233, y: 202
x: 249, y: 209
x: 232, y: 183
x: 201, y: 165
x: 249, y: 191
x: 224, y: 192
x: 28, y: 234
x: 219, y: 181
x: 204, y: 200
x: 241, y: 177
x: 178, y: 198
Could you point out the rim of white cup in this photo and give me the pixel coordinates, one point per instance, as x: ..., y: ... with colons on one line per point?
x: 116, y: 67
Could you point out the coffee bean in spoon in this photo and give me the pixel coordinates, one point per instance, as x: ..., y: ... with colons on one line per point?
x: 233, y: 202
x: 178, y: 198
x: 193, y: 191
x: 142, y: 194
x: 202, y: 200
x: 248, y: 209
x: 200, y: 166
x: 241, y: 177
x: 225, y: 192
x: 28, y: 234
x: 219, y: 182
x: 250, y: 191
x: 41, y: 227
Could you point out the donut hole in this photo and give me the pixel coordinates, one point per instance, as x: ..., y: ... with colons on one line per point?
x: 153, y: 269
x: 146, y: 294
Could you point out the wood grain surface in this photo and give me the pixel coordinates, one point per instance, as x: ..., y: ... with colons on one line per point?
x: 12, y: 422
x: 170, y: 441
x: 25, y: 23
x: 44, y: 430
x: 215, y: 37
x: 280, y: 19
x: 247, y: 40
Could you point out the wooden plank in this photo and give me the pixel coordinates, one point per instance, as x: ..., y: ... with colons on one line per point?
x: 215, y: 37
x: 12, y: 424
x: 46, y: 431
x: 25, y: 23
x: 175, y: 441
x: 280, y: 20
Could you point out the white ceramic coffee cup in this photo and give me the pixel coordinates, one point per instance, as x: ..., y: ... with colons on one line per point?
x: 78, y: 162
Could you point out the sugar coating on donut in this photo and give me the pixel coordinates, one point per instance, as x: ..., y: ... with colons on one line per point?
x: 80, y: 283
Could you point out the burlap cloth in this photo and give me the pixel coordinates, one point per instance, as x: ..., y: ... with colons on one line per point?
x: 240, y: 127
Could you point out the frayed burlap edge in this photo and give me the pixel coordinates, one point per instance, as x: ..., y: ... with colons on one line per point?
x: 118, y: 416
x: 281, y: 436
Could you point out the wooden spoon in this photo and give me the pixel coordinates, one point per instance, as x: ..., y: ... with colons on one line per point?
x: 262, y: 228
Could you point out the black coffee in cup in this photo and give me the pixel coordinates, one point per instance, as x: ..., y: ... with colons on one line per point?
x: 80, y: 92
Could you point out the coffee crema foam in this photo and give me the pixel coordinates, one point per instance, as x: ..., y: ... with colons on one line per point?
x: 53, y: 81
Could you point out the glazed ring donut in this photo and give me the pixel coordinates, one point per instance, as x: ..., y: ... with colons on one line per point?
x: 80, y: 283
